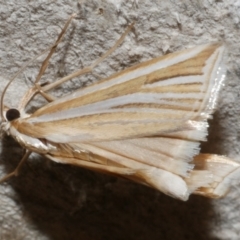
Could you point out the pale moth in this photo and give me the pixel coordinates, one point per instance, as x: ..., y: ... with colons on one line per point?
x: 144, y: 123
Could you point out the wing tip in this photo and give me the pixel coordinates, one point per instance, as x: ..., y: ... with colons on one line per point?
x: 222, y: 172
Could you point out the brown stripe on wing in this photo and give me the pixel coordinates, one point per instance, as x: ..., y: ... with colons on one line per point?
x: 175, y: 88
x: 103, y: 127
x: 140, y: 106
x: 189, y: 67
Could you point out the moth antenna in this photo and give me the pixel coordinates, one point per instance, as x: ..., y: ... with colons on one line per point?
x: 14, y: 77
x: 43, y: 67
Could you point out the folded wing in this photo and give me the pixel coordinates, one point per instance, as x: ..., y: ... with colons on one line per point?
x: 144, y: 123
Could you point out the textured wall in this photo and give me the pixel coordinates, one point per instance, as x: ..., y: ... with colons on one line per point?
x: 52, y: 201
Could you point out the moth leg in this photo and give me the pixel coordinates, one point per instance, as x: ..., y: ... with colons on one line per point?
x: 53, y: 48
x: 16, y: 171
x: 43, y: 89
x: 90, y: 68
x: 37, y: 88
x: 31, y: 93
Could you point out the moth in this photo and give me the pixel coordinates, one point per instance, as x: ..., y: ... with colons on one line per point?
x: 144, y: 123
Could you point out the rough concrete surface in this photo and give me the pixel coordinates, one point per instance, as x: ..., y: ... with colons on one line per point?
x: 53, y: 201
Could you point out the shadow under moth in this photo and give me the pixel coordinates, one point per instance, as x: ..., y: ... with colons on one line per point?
x: 144, y: 123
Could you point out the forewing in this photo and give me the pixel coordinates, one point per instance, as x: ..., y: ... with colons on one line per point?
x: 166, y: 95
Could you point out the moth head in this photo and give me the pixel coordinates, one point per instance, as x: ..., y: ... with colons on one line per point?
x: 12, y: 114
x: 9, y: 114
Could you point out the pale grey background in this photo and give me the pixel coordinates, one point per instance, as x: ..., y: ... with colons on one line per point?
x: 51, y: 201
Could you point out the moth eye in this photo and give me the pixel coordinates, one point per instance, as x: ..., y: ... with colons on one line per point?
x: 12, y: 114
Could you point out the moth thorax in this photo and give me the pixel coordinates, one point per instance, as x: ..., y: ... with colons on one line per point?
x: 12, y: 114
